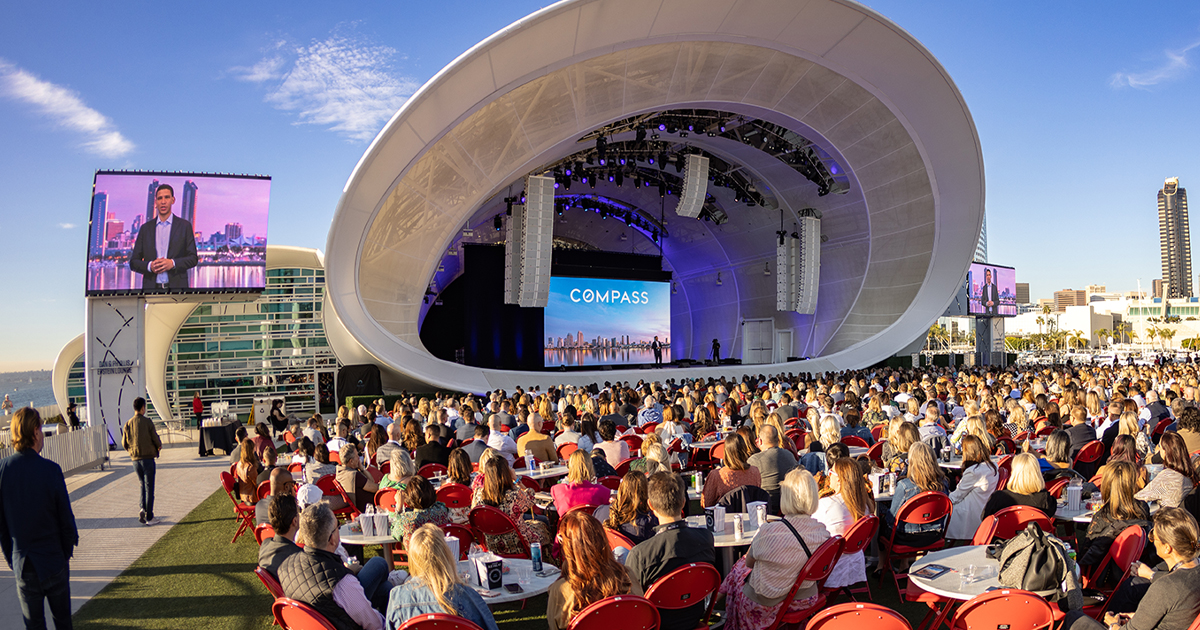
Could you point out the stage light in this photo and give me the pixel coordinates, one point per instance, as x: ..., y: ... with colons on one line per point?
x: 683, y: 134
x: 672, y: 128
x: 767, y: 269
x: 602, y: 162
x: 722, y: 128
x: 498, y: 223
x: 662, y: 127
x: 592, y: 183
x: 622, y: 161
x: 662, y: 161
x: 719, y: 283
x: 678, y: 166
x: 620, y: 179
x: 567, y: 184
x: 641, y: 135
x: 612, y: 178
x: 691, y: 128
x: 654, y: 136
x: 651, y: 160
x: 568, y: 171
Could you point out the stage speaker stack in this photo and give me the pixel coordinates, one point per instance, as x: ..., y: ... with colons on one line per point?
x: 695, y: 187
x: 808, y: 265
x: 528, y: 245
x: 785, y: 274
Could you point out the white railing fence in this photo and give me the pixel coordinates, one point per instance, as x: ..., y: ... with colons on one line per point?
x: 74, y: 451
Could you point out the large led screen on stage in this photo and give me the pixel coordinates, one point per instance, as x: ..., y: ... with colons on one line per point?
x: 212, y: 237
x: 594, y: 321
x: 992, y: 289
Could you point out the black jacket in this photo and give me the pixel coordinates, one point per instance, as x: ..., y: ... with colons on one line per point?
x: 1101, y: 533
x: 36, y: 521
x: 310, y: 577
x: 1001, y: 499
x: 181, y: 248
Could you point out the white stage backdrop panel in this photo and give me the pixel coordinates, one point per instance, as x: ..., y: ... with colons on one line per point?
x: 595, y: 321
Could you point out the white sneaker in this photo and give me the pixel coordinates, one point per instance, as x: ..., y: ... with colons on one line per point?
x: 152, y: 520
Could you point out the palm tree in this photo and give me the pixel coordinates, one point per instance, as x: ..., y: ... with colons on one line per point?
x: 1151, y: 333
x: 1167, y: 334
x: 1040, y: 322
x: 1103, y: 334
x: 1077, y: 339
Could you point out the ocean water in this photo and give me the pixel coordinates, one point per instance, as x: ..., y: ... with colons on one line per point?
x: 35, y: 394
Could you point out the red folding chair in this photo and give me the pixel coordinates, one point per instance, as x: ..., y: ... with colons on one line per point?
x: 295, y: 467
x: 331, y: 488
x: 875, y: 454
x: 438, y: 621
x: 1055, y: 488
x: 565, y: 449
x: 685, y: 587
x: 634, y: 442
x: 617, y: 540
x: 1126, y: 548
x: 263, y: 532
x: 269, y: 581
x: 590, y: 508
x: 816, y: 569
x: 1045, y: 431
x: 1159, y: 429
x: 622, y: 468
x: 717, y: 453
x: 241, y: 511
x: 1002, y: 475
x: 628, y: 612
x: 1088, y: 456
x: 293, y: 615
x: 857, y: 537
x: 385, y: 467
x: 335, y: 457
x: 1014, y: 518
x: 454, y: 495
x: 387, y: 500
x: 877, y: 431
x: 854, y: 440
x: 985, y: 532
x: 923, y: 509
x: 429, y: 471
x: 288, y: 437
x: 264, y: 490
x: 1019, y: 610
x: 1005, y: 446
x: 375, y: 473
x: 612, y: 482
x: 490, y: 521
x: 857, y: 616
x: 1005, y: 463
x: 464, y: 535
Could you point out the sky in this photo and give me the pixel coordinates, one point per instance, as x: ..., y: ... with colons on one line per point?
x: 1082, y: 110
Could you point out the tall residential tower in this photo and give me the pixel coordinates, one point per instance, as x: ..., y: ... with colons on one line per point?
x: 1175, y: 239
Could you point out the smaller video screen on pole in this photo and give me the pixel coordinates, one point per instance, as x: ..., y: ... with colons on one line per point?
x: 596, y: 321
x: 993, y: 290
x: 177, y: 233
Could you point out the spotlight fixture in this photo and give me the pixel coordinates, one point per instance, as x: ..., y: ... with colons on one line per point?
x: 654, y: 136
x: 674, y: 287
x: 620, y: 179
x: 498, y: 223
x: 767, y: 269
x: 641, y: 135
x: 683, y: 134
x: 662, y: 126
x: 719, y: 283
x: 592, y: 182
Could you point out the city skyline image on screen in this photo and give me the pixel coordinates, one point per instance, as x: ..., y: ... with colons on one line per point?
x: 992, y: 283
x: 224, y: 250
x: 595, y: 321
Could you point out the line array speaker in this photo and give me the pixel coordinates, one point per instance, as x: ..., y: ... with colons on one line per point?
x: 808, y: 265
x: 695, y: 187
x: 528, y: 245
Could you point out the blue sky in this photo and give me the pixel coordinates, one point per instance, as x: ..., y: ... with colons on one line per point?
x: 1082, y: 109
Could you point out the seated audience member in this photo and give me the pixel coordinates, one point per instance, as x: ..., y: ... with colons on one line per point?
x: 383, y: 452
x: 569, y: 434
x: 589, y: 435
x: 1171, y: 601
x: 1176, y: 479
x: 735, y: 471
x: 432, y: 451
x: 749, y: 439
x: 1188, y: 427
x: 1078, y: 430
x: 854, y: 427
x: 500, y: 441
x: 411, y: 435
x: 285, y: 520
x: 757, y: 584
x: 319, y: 577
x: 924, y: 475
x: 269, y: 461
x: 459, y: 470
x: 654, y: 459
x: 978, y: 482
x: 478, y: 445
x: 601, y: 465
x: 420, y: 507
x: 239, y: 437
x: 353, y: 477
x: 262, y: 439
x: 1119, y: 511
x: 902, y: 435
x: 435, y: 585
x: 589, y: 571
x: 340, y: 431
x: 773, y: 462
x: 850, y: 501
x: 536, y: 443
x: 400, y: 467
x: 1057, y: 462
x: 500, y: 490
x: 320, y: 466
x: 630, y: 514
x: 246, y: 473
x: 580, y: 487
x: 673, y: 545
x: 1124, y: 449
x: 1026, y: 486
x: 282, y: 485
x: 615, y: 451
x: 314, y: 432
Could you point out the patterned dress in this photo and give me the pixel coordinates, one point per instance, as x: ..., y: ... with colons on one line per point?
x: 516, y: 503
x: 406, y: 522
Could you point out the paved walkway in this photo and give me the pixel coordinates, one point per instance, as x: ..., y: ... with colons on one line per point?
x: 106, y: 512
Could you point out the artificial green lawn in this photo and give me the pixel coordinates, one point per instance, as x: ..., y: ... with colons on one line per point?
x: 193, y: 578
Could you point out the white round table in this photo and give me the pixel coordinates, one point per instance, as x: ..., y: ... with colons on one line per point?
x: 700, y: 446
x: 537, y: 585
x: 356, y: 538
x: 549, y: 473
x: 950, y: 584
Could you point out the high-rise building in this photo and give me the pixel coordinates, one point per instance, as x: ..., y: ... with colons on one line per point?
x: 99, y: 217
x: 1022, y: 293
x: 1156, y: 288
x: 136, y: 227
x: 1069, y: 297
x: 233, y: 231
x: 981, y: 244
x: 150, y: 200
x: 187, y: 210
x: 1175, y: 239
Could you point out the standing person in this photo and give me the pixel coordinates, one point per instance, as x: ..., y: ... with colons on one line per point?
x: 143, y: 444
x: 165, y: 248
x: 6, y: 407
x: 72, y: 417
x: 37, y: 527
x: 716, y: 351
x: 989, y: 297
x: 655, y: 345
x: 197, y: 407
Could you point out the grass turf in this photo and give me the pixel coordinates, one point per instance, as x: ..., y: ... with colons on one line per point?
x: 193, y: 578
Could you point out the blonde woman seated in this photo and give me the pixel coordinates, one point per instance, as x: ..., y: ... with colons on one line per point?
x: 758, y: 583
x: 1026, y: 486
x: 580, y: 487
x: 402, y: 468
x: 850, y: 501
x: 589, y: 571
x: 434, y: 585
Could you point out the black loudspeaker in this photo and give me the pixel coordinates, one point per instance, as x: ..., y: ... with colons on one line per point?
x: 731, y: 361
x: 359, y: 380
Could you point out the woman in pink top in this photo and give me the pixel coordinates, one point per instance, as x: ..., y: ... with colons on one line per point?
x: 580, y: 488
x: 734, y: 472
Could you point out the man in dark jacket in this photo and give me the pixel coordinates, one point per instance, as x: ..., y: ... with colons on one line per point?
x: 285, y: 520
x: 37, y: 527
x: 432, y: 451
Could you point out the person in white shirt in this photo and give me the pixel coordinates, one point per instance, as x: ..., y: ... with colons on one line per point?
x: 336, y: 443
x: 850, y: 501
x: 500, y: 441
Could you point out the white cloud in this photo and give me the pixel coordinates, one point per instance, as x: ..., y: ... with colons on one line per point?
x: 67, y: 226
x: 66, y: 109
x: 1175, y: 65
x: 342, y: 83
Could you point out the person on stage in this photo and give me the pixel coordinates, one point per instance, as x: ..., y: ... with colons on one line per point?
x: 165, y: 248
x: 988, y: 295
x: 716, y: 351
x: 656, y: 346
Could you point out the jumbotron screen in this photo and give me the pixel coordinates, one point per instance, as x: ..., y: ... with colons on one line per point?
x: 992, y: 289
x: 172, y: 233
x: 594, y: 321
